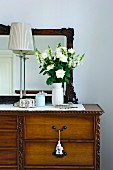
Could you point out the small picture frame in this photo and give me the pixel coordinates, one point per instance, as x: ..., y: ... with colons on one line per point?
x: 27, y: 103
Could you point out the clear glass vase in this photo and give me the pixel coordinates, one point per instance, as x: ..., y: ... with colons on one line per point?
x: 57, y: 94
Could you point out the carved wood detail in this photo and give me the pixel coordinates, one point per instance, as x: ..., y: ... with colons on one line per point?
x: 33, y: 132
x: 20, y: 137
x: 97, y: 142
x: 70, y: 94
x: 4, y: 30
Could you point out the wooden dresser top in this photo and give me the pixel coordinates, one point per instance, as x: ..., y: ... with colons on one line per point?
x: 89, y: 109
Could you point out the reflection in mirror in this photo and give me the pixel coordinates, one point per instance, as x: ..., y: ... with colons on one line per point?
x: 9, y: 62
x: 6, y: 66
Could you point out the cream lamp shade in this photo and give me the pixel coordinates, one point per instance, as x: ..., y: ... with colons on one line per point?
x: 20, y: 39
x: 21, y: 42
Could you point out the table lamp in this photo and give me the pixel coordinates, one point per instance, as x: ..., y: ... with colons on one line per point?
x: 21, y: 42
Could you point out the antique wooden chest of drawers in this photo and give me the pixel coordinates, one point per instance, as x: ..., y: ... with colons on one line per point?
x: 28, y: 139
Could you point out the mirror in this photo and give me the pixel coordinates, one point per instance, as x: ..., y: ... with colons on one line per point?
x: 9, y: 63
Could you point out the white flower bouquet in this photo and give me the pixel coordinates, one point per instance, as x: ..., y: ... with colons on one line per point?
x: 58, y: 64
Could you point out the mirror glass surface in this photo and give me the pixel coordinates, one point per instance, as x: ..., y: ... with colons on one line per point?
x: 10, y: 65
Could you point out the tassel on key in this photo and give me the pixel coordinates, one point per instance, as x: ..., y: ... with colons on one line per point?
x: 59, y: 148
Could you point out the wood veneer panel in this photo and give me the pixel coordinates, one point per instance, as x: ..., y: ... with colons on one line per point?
x: 40, y: 126
x: 8, y: 122
x: 8, y: 157
x: 8, y: 139
x: 7, y: 168
x: 77, y: 154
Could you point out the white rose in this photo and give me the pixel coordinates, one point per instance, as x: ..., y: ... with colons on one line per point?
x: 71, y: 50
x: 63, y: 58
x: 60, y: 73
x: 50, y: 67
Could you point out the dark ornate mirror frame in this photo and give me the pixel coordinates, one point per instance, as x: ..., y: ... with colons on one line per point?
x: 70, y: 95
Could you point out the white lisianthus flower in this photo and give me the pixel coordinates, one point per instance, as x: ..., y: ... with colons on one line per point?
x: 43, y: 55
x: 64, y: 48
x: 63, y: 58
x: 71, y: 51
x: 38, y: 59
x: 76, y: 63
x: 58, y: 50
x: 60, y: 73
x: 50, y: 67
x: 37, y: 53
x: 70, y: 63
x: 58, y: 54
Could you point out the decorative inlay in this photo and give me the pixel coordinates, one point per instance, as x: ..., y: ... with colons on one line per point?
x: 20, y: 137
x: 97, y: 142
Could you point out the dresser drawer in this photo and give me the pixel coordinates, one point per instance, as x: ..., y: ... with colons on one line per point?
x: 8, y: 157
x: 8, y: 122
x: 8, y: 138
x: 8, y: 168
x: 40, y: 153
x: 40, y: 126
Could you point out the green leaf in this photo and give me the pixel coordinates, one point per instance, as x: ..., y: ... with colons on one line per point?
x: 81, y: 58
x: 67, y: 74
x: 59, y: 45
x: 41, y: 70
x: 45, y: 72
x: 66, y: 80
x: 50, y: 81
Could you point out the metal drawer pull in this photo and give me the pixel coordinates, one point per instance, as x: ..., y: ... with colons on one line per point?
x: 59, y: 156
x: 59, y: 148
x: 63, y: 128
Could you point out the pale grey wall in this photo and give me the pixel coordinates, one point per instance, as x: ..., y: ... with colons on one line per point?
x: 93, y: 22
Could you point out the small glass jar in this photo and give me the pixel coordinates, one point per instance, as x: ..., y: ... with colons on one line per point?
x: 40, y: 99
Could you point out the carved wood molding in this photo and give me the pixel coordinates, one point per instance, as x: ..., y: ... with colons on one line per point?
x: 9, y: 99
x: 70, y: 94
x: 68, y: 32
x: 20, y: 141
x: 97, y: 142
x: 4, y: 30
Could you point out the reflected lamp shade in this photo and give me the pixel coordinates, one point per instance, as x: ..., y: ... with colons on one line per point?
x: 20, y: 39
